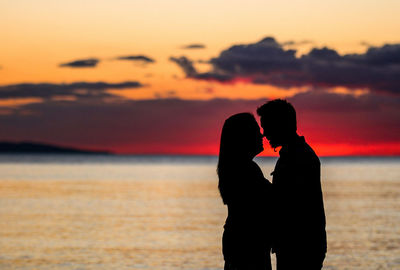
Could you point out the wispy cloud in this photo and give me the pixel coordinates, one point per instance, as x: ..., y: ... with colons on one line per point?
x: 140, y: 58
x: 193, y: 46
x: 82, y: 63
x: 191, y: 72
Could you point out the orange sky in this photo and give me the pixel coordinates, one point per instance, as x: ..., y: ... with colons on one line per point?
x: 40, y: 35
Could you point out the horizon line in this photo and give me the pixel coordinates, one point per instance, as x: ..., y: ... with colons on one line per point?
x: 183, y: 155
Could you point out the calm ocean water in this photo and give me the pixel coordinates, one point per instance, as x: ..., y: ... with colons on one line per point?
x: 146, y: 212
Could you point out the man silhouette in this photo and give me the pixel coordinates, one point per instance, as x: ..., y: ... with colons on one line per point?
x: 299, y: 216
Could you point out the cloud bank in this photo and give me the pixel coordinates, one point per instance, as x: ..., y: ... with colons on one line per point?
x: 50, y: 90
x: 171, y: 125
x: 268, y: 62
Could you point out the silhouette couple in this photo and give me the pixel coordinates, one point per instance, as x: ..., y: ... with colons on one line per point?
x: 286, y: 216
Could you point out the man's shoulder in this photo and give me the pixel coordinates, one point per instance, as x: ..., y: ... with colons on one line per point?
x: 305, y: 154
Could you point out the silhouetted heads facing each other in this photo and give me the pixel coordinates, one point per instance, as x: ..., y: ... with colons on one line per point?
x: 278, y: 120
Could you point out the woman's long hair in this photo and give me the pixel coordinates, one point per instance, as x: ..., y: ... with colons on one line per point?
x: 233, y: 149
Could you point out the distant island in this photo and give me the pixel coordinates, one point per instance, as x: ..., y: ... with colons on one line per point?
x: 41, y: 148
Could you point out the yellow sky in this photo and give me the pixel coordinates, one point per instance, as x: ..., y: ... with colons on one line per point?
x: 36, y: 36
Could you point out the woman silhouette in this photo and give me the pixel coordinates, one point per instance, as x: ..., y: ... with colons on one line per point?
x: 246, y: 242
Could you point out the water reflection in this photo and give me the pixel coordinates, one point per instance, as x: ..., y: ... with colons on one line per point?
x: 155, y: 214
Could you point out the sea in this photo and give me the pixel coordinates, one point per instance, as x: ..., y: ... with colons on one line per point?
x: 164, y: 212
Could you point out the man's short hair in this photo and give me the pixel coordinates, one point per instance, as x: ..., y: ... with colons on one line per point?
x: 281, y: 111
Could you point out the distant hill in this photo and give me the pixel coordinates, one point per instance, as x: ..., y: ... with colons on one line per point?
x: 41, y: 148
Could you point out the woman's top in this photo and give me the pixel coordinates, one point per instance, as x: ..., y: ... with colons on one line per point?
x: 248, y: 197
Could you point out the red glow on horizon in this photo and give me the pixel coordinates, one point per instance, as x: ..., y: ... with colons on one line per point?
x: 383, y: 149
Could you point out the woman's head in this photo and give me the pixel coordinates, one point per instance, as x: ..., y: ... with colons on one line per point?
x: 241, y: 141
x: 241, y: 137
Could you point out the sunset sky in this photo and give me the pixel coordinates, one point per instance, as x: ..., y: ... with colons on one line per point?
x: 162, y: 76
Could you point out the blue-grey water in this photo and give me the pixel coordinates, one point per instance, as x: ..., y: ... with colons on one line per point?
x: 149, y: 212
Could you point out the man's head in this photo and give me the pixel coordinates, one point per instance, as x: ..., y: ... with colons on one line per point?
x: 278, y: 119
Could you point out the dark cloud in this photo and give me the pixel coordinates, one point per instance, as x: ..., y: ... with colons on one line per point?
x: 82, y: 63
x: 173, y: 125
x: 194, y: 46
x: 264, y: 57
x: 50, y: 90
x: 188, y: 68
x: 140, y: 58
x: 267, y: 62
x: 185, y: 64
